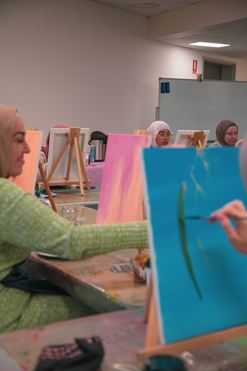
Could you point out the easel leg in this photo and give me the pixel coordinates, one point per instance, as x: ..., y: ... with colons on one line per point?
x: 47, y: 187
x: 148, y: 300
x: 70, y: 160
x: 84, y: 170
x: 77, y: 151
x: 152, y: 326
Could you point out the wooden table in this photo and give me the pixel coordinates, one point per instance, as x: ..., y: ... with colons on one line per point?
x: 122, y: 334
x: 91, y: 280
x: 73, y: 196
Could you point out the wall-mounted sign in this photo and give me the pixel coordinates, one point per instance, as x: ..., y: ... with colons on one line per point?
x: 194, y: 67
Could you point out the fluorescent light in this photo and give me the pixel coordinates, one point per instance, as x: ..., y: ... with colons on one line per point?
x: 210, y: 45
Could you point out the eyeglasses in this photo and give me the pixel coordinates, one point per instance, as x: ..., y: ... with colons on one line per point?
x: 165, y: 134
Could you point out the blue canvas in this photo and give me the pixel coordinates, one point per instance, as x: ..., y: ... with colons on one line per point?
x: 210, y: 178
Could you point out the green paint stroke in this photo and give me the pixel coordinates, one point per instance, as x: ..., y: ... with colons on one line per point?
x: 183, y: 239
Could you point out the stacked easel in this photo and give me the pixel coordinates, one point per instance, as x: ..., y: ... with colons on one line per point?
x: 198, y: 139
x: 73, y: 142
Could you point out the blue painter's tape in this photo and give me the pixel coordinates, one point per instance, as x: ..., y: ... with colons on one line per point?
x: 163, y: 87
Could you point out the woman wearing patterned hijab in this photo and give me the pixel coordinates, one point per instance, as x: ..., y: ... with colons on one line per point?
x: 161, y: 134
x: 227, y: 135
x: 26, y: 225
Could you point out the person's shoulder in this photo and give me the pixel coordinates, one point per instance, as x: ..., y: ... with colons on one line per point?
x: 5, y: 182
x: 214, y: 144
x: 9, y: 187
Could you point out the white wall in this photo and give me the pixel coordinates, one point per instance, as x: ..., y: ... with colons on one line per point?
x: 82, y: 63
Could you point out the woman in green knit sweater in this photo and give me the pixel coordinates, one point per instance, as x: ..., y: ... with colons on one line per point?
x: 26, y: 225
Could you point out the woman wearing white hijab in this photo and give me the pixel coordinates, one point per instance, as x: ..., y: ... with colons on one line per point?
x: 238, y: 235
x: 161, y: 134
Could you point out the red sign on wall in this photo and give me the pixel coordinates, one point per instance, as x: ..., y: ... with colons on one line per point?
x: 194, y: 67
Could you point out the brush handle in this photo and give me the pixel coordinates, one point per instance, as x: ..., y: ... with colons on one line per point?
x: 209, y: 217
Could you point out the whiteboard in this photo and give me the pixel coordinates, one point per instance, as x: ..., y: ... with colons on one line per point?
x: 58, y: 138
x: 202, y: 105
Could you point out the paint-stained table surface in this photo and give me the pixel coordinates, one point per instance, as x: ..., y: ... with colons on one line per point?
x: 122, y: 333
x: 92, y: 281
x: 73, y: 196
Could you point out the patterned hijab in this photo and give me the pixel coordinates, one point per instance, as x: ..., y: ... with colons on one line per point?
x: 222, y: 129
x: 7, y: 122
x: 154, y: 128
x: 46, y: 149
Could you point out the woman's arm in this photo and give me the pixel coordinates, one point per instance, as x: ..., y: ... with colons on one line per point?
x: 26, y: 223
x: 238, y: 235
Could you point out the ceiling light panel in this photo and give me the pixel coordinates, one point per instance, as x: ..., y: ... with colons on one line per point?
x: 210, y: 45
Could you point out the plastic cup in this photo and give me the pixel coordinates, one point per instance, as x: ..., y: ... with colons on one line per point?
x: 69, y: 213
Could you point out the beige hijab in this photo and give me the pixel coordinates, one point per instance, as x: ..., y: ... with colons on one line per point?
x: 7, y: 122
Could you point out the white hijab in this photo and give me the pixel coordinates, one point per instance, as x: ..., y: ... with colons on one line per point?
x: 154, y: 128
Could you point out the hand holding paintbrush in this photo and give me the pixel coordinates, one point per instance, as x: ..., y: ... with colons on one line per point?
x: 237, y: 235
x: 234, y: 210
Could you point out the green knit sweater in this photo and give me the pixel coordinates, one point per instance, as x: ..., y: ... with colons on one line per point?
x: 27, y: 225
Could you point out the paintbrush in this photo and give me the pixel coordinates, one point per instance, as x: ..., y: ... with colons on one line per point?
x: 210, y: 218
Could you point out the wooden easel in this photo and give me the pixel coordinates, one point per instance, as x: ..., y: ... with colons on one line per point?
x: 73, y: 140
x: 198, y: 139
x: 152, y: 347
x: 47, y: 188
x: 141, y: 132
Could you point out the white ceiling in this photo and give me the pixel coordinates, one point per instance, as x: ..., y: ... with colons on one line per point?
x: 233, y: 33
x: 148, y: 7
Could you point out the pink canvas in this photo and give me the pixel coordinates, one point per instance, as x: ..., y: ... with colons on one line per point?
x: 27, y: 178
x: 121, y: 193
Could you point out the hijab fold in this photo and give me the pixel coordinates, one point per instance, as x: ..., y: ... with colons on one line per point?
x: 222, y: 129
x: 7, y: 122
x: 154, y: 128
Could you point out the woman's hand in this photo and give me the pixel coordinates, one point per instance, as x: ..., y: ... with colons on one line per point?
x: 237, y: 236
x: 240, y: 142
